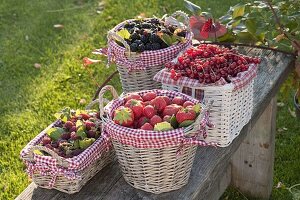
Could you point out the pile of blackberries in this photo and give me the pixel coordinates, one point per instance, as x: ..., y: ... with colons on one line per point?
x: 144, y: 34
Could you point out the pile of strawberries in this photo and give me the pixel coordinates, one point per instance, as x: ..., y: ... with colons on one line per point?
x: 158, y: 113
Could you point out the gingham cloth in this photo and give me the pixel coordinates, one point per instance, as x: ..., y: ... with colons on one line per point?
x: 151, y: 139
x: 146, y: 59
x: 47, y: 165
x: 241, y: 80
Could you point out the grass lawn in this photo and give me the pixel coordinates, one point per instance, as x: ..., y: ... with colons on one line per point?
x: 29, y: 96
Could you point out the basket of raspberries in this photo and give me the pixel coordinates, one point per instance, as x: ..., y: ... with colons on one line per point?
x: 140, y: 48
x: 155, y: 136
x: 69, y: 152
x: 210, y: 72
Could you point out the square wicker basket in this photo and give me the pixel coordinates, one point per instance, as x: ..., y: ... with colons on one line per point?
x: 232, y: 107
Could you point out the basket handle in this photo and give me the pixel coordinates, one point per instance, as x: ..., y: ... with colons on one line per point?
x: 101, y: 98
x: 59, y: 160
x: 186, y: 21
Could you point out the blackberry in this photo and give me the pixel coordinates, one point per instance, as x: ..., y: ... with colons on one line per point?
x: 154, y: 38
x: 138, y: 42
x: 144, y: 39
x: 181, y: 33
x: 155, y: 46
x: 141, y: 48
x: 146, y: 25
x: 134, y: 36
x: 134, y: 47
x: 154, y: 21
x: 148, y: 46
x: 164, y: 45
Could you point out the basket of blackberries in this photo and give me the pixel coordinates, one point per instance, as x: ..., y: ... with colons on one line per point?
x: 69, y: 152
x: 140, y: 48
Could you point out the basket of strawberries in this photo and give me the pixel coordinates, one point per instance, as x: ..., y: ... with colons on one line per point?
x: 69, y: 152
x: 210, y: 72
x: 154, y: 134
x: 140, y: 48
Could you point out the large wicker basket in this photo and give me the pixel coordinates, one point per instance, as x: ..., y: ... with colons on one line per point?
x: 232, y: 107
x: 67, y: 175
x: 137, y: 70
x: 154, y: 161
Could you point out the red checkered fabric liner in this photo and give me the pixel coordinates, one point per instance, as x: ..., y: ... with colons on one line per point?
x: 48, y: 165
x: 148, y: 139
x: 146, y: 59
x: 238, y: 82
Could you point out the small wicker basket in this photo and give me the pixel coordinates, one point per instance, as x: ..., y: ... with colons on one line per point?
x: 232, y: 107
x: 137, y: 70
x: 153, y: 161
x: 67, y: 175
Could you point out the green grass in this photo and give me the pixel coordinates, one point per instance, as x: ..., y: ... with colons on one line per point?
x: 30, y: 96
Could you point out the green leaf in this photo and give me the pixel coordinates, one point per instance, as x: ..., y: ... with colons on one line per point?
x: 170, y: 39
x: 251, y: 26
x: 245, y: 37
x: 228, y: 37
x: 192, y: 7
x: 124, y: 34
x: 55, y: 133
x: 80, y: 132
x: 79, y: 124
x: 238, y: 11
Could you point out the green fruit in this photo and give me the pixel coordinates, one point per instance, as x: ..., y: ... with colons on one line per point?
x: 174, y: 122
x: 85, y: 143
x: 186, y: 123
x: 55, y: 133
x: 163, y: 126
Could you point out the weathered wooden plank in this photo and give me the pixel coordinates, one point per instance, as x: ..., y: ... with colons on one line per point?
x: 253, y: 162
x: 209, y: 164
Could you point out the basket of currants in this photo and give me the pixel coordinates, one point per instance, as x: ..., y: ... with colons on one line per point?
x: 140, y: 48
x: 155, y: 136
x: 210, y: 72
x: 69, y: 152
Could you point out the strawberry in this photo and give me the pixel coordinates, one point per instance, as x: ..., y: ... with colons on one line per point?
x: 155, y: 119
x: 171, y: 109
x: 149, y: 111
x: 185, y: 114
x: 159, y: 103
x: 149, y: 96
x: 123, y: 116
x: 178, y: 100
x: 147, y: 126
x: 167, y: 118
x: 142, y: 121
x: 188, y: 103
x: 85, y: 116
x: 68, y: 125
x: 89, y: 125
x: 133, y: 96
x: 136, y: 106
x: 167, y: 99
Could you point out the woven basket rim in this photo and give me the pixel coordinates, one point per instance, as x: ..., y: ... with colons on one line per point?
x: 188, y: 37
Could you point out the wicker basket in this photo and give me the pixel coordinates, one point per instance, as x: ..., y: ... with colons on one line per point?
x: 232, y: 107
x: 154, y: 161
x: 67, y: 175
x: 137, y: 70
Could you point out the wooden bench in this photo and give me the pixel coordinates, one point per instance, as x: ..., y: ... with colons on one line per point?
x: 246, y: 164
